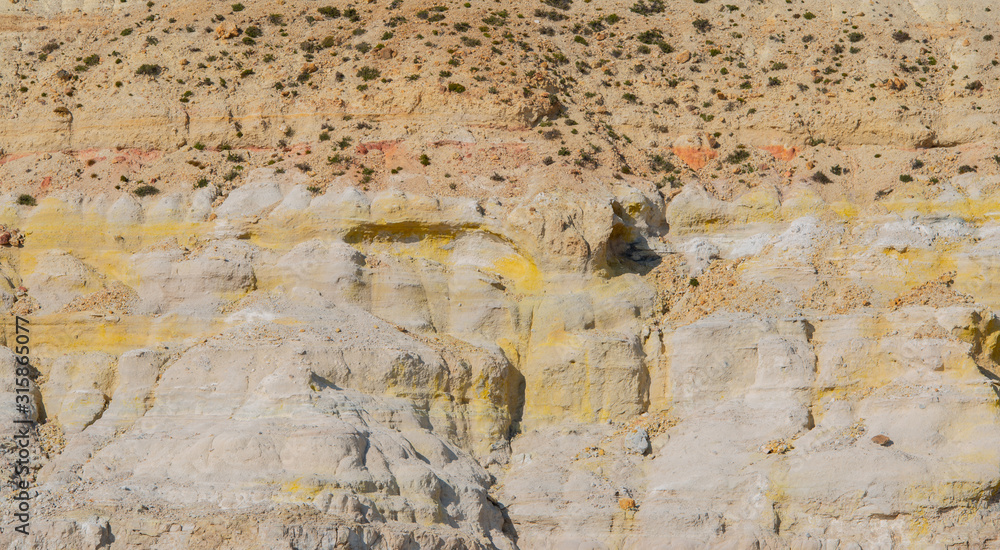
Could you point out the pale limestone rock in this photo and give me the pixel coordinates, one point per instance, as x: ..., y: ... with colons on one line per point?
x: 398, y: 207
x: 58, y: 278
x: 80, y: 389
x: 138, y: 371
x: 201, y: 203
x: 693, y: 208
x: 333, y: 271
x: 169, y: 209
x: 295, y: 201
x: 197, y: 283
x: 350, y: 204
x: 125, y: 211
x: 254, y: 198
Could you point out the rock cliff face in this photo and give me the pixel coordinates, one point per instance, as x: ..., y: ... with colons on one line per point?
x: 565, y: 275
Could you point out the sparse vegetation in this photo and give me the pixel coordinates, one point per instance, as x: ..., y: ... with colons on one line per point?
x: 648, y: 8
x: 368, y: 73
x: 330, y: 12
x: 821, y: 178
x: 149, y: 70
x: 738, y: 156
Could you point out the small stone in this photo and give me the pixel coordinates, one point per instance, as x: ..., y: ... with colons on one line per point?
x: 637, y: 441
x: 894, y: 84
x: 227, y: 30
x: 627, y: 504
x: 882, y: 440
x: 309, y: 68
x: 776, y: 447
x: 683, y: 57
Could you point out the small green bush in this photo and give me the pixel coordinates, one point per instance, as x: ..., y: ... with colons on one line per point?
x: 26, y: 200
x: 145, y: 190
x: 738, y: 156
x: 329, y: 12
x: 368, y: 73
x: 647, y: 9
x: 149, y: 70
x: 560, y: 4
x: 820, y: 177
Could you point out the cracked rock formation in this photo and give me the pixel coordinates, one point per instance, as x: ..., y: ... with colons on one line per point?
x: 604, y: 275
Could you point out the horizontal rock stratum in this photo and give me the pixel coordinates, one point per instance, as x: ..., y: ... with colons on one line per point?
x: 554, y: 274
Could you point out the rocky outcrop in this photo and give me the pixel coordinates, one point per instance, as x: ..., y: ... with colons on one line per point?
x: 407, y: 366
x: 396, y: 276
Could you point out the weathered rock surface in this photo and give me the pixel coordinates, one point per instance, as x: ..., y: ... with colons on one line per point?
x: 351, y: 362
x: 587, y: 275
